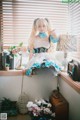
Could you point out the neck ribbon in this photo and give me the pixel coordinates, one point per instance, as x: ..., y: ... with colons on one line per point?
x: 42, y: 35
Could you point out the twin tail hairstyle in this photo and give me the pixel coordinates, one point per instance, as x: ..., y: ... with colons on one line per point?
x: 37, y: 22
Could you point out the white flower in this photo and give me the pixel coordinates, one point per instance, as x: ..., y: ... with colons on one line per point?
x: 47, y: 111
x: 38, y: 102
x: 49, y: 105
x: 29, y: 104
x: 43, y: 102
x: 34, y: 105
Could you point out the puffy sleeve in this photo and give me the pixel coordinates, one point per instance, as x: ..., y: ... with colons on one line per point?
x: 52, y: 39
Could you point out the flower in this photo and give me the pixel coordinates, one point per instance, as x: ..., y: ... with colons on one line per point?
x: 15, y: 49
x: 40, y: 109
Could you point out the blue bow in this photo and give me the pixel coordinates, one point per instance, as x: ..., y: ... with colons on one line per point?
x: 42, y: 35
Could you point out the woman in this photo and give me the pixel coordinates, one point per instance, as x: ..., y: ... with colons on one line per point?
x: 42, y: 41
x: 42, y: 38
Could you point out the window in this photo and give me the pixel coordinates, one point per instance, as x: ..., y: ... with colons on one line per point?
x: 74, y: 11
x: 17, y: 17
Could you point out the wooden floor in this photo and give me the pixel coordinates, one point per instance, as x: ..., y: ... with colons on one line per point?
x: 19, y: 117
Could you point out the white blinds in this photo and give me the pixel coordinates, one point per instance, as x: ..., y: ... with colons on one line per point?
x: 74, y: 10
x: 18, y: 16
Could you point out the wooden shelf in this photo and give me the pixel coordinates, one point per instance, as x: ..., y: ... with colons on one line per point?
x: 74, y: 84
x: 11, y: 73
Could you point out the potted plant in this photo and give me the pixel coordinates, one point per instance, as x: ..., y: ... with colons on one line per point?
x: 13, y: 53
x: 7, y: 67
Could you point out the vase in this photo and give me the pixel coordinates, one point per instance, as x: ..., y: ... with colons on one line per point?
x: 11, y: 58
x: 7, y: 68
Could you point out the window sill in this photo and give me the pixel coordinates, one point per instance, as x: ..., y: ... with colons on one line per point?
x: 11, y: 73
x: 74, y: 84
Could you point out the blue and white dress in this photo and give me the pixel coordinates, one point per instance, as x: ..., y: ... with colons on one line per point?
x: 41, y: 57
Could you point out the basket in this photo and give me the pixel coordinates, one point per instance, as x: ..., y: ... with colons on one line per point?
x: 22, y: 101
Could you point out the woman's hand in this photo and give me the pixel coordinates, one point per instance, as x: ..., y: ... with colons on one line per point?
x: 52, y: 32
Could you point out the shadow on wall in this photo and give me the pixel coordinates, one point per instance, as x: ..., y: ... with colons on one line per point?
x: 40, y: 85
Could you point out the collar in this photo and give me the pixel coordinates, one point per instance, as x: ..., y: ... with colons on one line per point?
x: 42, y: 35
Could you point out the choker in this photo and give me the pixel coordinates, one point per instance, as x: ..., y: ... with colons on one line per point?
x: 42, y: 35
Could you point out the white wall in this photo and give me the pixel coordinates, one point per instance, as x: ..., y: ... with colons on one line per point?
x: 73, y: 98
x: 10, y: 87
x: 37, y: 86
x: 40, y: 85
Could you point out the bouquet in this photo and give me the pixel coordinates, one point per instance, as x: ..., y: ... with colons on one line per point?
x: 15, y: 49
x: 40, y: 110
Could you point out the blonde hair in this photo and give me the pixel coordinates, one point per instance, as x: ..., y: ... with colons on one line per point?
x: 37, y: 22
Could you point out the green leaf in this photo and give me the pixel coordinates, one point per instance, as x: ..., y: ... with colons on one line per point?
x: 7, y: 65
x: 15, y: 55
x: 20, y: 44
x: 14, y: 47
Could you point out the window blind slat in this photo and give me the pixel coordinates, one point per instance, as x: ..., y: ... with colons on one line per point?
x: 74, y: 9
x: 18, y: 16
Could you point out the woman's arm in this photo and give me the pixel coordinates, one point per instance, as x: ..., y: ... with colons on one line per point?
x: 52, y: 47
x: 53, y: 41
